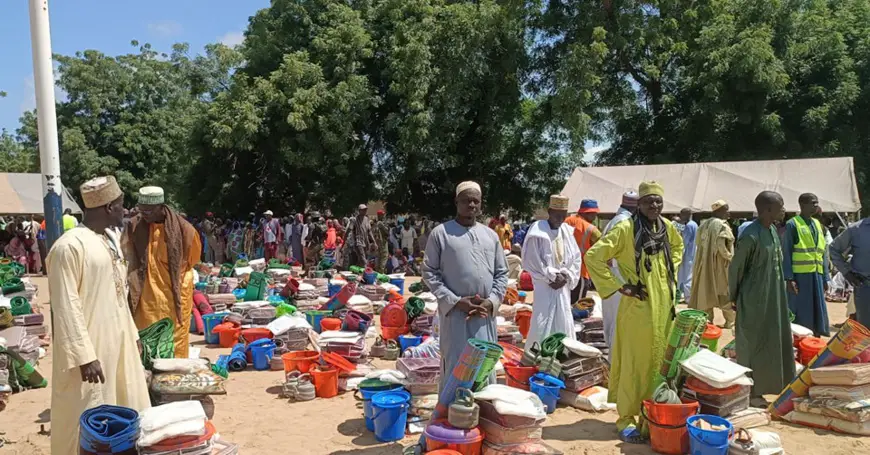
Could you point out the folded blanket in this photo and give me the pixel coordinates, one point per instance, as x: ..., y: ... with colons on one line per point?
x: 109, y: 429
x: 169, y: 420
x: 29, y: 319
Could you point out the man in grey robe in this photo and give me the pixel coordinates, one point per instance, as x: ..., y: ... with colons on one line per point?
x: 465, y: 268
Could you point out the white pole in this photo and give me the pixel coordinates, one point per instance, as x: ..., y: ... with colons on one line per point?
x: 43, y: 77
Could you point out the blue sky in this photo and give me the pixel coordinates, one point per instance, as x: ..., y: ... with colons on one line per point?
x: 109, y: 26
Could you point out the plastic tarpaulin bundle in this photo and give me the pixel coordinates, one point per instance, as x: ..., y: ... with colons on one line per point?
x: 852, y: 339
x: 157, y: 341
x: 109, y: 430
x: 237, y: 360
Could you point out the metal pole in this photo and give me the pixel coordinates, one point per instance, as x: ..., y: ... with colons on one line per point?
x: 49, y: 157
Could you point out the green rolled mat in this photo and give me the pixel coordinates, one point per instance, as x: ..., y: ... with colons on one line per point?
x: 357, y: 269
x: 22, y: 375
x: 242, y: 263
x: 284, y: 308
x: 227, y: 270
x: 493, y: 354
x: 157, y: 341
x: 18, y: 269
x: 414, y: 307
x: 418, y: 287
x: 20, y: 306
x: 276, y: 264
x: 6, y: 318
x: 383, y: 278
x: 552, y: 345
x: 12, y: 286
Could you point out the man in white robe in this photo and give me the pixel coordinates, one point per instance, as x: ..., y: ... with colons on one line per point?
x: 610, y: 305
x: 552, y: 258
x: 96, y: 360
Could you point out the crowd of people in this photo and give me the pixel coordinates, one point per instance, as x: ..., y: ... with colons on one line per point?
x: 121, y: 271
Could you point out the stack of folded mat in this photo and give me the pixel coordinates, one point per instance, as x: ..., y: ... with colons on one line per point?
x: 34, y: 324
x: 511, y: 421
x: 350, y: 345
x: 108, y: 429
x: 581, y: 373
x: 319, y: 288
x: 20, y: 342
x: 839, y: 400
x: 227, y: 300
x: 593, y: 334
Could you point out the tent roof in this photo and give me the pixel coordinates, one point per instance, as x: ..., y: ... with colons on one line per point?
x: 698, y: 185
x: 21, y: 194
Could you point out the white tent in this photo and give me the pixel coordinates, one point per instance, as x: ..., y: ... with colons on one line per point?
x: 697, y: 185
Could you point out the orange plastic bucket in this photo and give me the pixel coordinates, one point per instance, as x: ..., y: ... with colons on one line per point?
x: 443, y: 452
x: 524, y: 320
x: 809, y: 347
x: 667, y: 425
x: 518, y: 376
x: 228, y: 334
x: 330, y: 324
x: 325, y: 381
x: 256, y: 333
x: 299, y: 360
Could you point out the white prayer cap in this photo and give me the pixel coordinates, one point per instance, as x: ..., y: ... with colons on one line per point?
x: 467, y: 185
x: 268, y: 212
x: 151, y: 195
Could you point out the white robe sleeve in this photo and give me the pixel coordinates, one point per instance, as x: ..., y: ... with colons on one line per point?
x: 537, y: 257
x: 72, y: 344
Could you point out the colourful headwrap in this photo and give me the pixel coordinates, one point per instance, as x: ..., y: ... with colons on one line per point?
x: 588, y: 206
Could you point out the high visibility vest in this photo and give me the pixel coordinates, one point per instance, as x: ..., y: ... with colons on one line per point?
x: 808, y: 255
x: 583, y: 236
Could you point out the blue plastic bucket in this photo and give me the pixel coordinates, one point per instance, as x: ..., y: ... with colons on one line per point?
x: 367, y: 395
x: 709, y: 442
x: 547, y: 388
x: 262, y: 355
x: 209, y: 322
x: 334, y: 288
x: 400, y: 283
x: 390, y: 414
x: 192, y: 322
x: 409, y: 341
x: 314, y: 316
x: 370, y: 278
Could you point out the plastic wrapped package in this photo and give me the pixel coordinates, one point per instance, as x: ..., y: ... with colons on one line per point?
x: 829, y: 423
x: 845, y: 393
x: 849, y: 374
x: 852, y: 411
x: 750, y: 418
x: 489, y: 412
x: 497, y: 434
x: 527, y: 448
x: 593, y: 399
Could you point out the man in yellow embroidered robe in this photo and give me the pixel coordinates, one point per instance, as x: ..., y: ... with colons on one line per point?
x: 648, y: 250
x: 713, y: 257
x: 95, y: 359
x: 162, y: 248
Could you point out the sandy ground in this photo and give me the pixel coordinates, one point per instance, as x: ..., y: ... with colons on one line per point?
x: 255, y: 417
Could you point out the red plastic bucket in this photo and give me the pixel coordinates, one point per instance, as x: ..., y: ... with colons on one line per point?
x: 524, y: 320
x: 393, y: 333
x: 518, y: 376
x: 257, y: 333
x: 667, y: 425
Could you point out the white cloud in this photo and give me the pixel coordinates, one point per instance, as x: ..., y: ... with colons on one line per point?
x: 232, y: 38
x: 165, y: 29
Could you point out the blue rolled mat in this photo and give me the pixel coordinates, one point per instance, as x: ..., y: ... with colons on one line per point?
x: 238, y: 361
x: 109, y: 429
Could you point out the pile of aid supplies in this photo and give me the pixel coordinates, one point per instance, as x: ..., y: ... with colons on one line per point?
x: 23, y: 333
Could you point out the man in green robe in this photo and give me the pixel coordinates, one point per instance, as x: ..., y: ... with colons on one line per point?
x: 648, y: 250
x: 756, y: 283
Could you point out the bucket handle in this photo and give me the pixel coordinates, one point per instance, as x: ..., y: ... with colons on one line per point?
x: 653, y: 422
x: 401, y: 406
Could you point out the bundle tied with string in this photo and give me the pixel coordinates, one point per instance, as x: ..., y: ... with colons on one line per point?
x: 492, y: 354
x: 157, y: 342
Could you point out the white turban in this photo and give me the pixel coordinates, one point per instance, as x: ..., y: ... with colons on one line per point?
x: 468, y: 185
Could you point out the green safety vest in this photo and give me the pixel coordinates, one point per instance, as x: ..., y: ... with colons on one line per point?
x: 808, y: 255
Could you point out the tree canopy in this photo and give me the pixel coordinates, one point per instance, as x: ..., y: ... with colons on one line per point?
x: 330, y: 103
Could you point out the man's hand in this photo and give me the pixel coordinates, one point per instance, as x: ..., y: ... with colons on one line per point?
x: 793, y: 287
x: 633, y: 290
x: 481, y: 307
x: 92, y: 373
x: 465, y: 305
x: 559, y: 282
